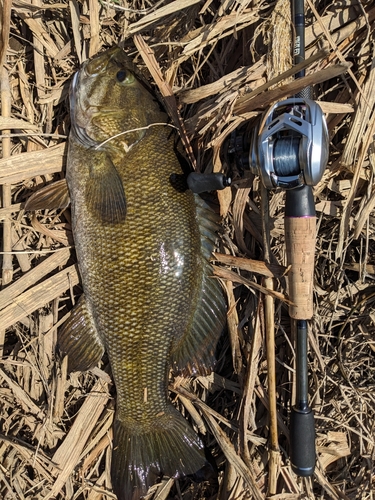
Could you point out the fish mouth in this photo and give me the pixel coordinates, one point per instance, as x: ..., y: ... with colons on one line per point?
x: 100, y: 63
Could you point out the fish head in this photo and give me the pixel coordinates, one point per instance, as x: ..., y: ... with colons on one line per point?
x: 110, y: 98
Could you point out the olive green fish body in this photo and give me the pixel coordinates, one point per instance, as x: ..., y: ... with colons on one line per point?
x: 140, y: 275
x: 143, y: 258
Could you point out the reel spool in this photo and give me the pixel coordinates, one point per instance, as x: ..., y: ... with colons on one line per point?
x: 290, y: 149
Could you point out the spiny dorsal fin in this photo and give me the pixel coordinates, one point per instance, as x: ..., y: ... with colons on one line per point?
x: 194, y: 353
x: 79, y: 339
x: 52, y: 197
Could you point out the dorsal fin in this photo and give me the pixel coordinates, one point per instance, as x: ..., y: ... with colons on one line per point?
x: 194, y: 353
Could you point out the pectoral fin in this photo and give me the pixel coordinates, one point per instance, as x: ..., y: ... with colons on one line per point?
x: 52, y: 197
x: 79, y: 339
x: 105, y: 193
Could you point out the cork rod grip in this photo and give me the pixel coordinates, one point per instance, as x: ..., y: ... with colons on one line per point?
x: 300, y: 233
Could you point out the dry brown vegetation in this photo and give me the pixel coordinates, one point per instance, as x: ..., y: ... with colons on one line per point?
x: 225, y: 61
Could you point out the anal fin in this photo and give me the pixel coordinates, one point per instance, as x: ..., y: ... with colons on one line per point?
x: 79, y: 339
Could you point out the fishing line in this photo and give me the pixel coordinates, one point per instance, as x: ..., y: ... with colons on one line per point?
x: 134, y: 130
x: 286, y: 156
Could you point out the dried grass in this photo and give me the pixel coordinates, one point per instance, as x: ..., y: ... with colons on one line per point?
x: 220, y: 63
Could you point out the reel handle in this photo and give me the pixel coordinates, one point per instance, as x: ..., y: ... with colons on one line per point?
x: 201, y: 183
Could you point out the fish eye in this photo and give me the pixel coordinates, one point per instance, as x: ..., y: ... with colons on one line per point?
x: 124, y: 76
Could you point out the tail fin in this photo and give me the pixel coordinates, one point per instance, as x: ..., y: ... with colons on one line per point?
x: 169, y: 446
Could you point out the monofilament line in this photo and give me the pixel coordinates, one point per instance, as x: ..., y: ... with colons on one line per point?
x: 134, y: 130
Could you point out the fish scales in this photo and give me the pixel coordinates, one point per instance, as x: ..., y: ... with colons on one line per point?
x: 143, y: 250
x: 148, y: 267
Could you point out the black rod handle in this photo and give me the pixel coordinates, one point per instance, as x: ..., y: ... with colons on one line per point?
x: 302, y: 441
x: 302, y: 426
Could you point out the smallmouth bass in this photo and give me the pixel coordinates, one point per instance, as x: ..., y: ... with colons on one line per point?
x: 142, y: 248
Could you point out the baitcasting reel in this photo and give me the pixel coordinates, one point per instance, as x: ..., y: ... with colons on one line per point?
x: 287, y: 150
x: 290, y: 148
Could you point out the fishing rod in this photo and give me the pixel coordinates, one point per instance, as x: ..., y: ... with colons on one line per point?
x: 290, y: 151
x: 300, y: 217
